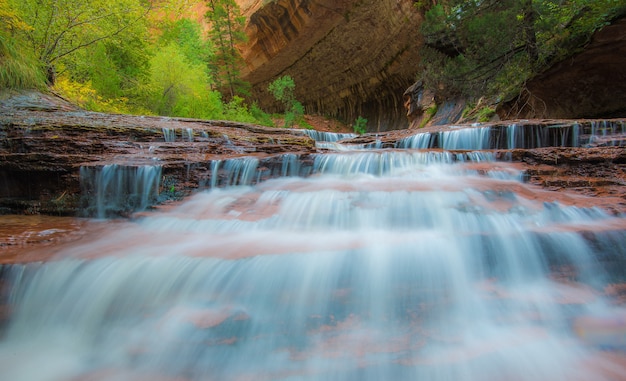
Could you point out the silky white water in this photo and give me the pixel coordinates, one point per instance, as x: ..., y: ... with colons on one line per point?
x: 415, y: 270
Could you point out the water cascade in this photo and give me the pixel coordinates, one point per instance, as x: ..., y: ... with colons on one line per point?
x: 169, y: 134
x: 383, y: 265
x: 606, y: 133
x: 114, y: 189
x: 322, y: 136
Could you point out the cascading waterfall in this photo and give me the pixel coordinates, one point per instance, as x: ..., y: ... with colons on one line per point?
x: 169, y: 134
x: 417, y: 141
x: 119, y: 189
x: 187, y: 134
x: 605, y: 133
x: 465, y: 138
x: 323, y: 136
x: 250, y: 170
x: 390, y: 265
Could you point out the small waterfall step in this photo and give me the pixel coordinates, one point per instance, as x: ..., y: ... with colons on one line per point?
x: 521, y: 135
x: 117, y: 189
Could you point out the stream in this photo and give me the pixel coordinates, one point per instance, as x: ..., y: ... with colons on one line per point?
x: 377, y: 264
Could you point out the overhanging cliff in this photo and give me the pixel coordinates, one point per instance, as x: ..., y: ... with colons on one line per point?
x: 348, y: 58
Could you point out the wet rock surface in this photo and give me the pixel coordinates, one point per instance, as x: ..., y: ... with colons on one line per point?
x: 44, y: 141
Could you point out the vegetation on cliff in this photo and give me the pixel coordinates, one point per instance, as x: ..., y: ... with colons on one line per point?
x: 491, y: 48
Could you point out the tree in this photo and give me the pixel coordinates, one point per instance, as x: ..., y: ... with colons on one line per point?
x: 492, y: 47
x: 59, y: 28
x: 178, y: 87
x: 283, y: 89
x: 226, y: 22
x: 187, y: 34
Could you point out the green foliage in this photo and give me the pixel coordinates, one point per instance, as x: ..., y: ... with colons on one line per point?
x: 283, y: 89
x: 492, y: 47
x: 226, y: 21
x: 117, y: 56
x: 177, y: 87
x: 187, y: 34
x: 238, y: 111
x: 261, y: 116
x: 59, y: 28
x: 478, y: 111
x: 429, y: 113
x: 85, y: 96
x: 360, y: 125
x: 18, y: 69
x: 485, y: 114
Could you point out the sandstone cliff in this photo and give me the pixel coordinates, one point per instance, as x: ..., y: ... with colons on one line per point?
x: 353, y: 58
x: 349, y: 58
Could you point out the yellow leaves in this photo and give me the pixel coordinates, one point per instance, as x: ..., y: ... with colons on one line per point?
x: 85, y: 96
x: 9, y: 20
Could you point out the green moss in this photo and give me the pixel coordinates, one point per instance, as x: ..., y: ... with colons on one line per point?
x: 485, y: 114
x: 429, y: 113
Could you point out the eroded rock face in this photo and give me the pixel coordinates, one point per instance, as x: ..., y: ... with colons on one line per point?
x: 589, y: 84
x: 348, y: 58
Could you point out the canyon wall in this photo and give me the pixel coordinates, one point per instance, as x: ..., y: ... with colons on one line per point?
x: 348, y: 58
x: 352, y: 58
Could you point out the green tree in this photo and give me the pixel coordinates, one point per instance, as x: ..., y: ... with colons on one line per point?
x: 60, y: 28
x: 283, y: 89
x: 226, y: 23
x: 360, y: 125
x: 187, y: 34
x: 178, y: 87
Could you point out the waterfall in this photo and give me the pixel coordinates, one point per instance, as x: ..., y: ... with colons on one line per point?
x: 528, y: 136
x: 322, y: 136
x: 418, y: 141
x: 383, y: 265
x: 117, y: 189
x: 465, y: 138
x: 169, y: 134
x: 187, y: 134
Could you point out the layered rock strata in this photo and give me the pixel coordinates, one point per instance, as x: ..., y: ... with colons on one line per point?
x: 348, y: 58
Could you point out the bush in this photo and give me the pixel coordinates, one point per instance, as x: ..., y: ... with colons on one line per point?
x: 283, y: 90
x: 360, y: 125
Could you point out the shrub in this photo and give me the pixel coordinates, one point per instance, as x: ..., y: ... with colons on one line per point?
x: 360, y: 125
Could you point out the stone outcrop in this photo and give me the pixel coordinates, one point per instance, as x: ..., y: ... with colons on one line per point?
x: 348, y: 58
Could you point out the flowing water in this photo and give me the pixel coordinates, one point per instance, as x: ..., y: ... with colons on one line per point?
x: 382, y: 265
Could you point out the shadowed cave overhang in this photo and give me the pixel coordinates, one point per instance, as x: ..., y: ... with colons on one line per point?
x: 348, y: 58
